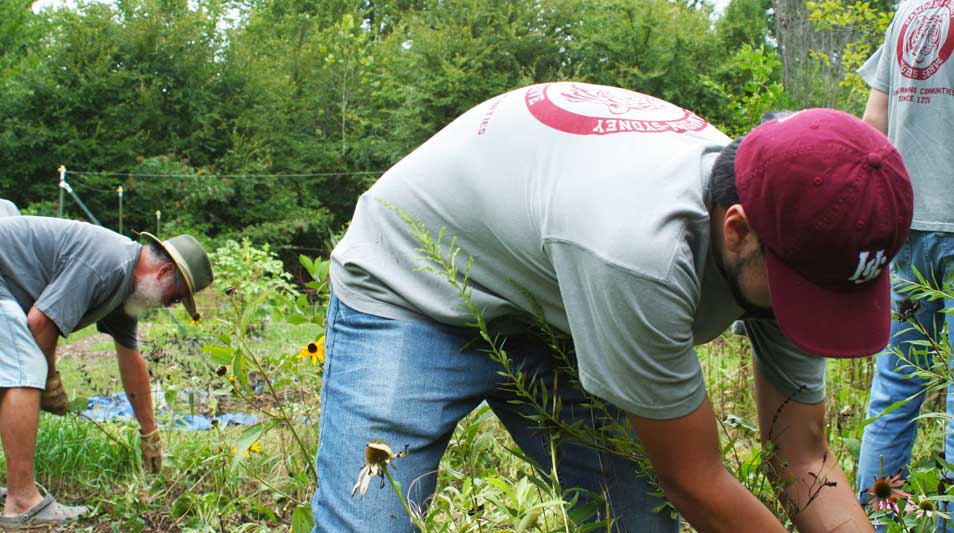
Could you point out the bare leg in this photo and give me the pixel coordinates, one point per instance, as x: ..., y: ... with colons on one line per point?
x: 19, y: 418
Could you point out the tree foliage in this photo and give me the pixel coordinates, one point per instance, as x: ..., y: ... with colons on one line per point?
x: 267, y: 118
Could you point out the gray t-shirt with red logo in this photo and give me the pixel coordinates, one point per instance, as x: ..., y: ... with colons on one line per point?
x: 914, y: 67
x: 589, y: 199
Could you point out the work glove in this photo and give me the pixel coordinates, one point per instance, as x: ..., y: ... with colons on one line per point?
x: 151, y: 446
x: 53, y: 399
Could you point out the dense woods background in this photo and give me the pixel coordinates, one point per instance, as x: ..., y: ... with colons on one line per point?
x: 268, y: 118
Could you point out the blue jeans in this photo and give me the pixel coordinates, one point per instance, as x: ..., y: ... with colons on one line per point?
x: 891, y: 437
x: 409, y: 383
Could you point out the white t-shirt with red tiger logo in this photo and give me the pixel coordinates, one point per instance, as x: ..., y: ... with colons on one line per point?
x: 915, y: 69
x: 591, y: 200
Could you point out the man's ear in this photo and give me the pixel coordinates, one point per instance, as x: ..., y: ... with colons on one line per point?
x: 166, y: 268
x: 737, y: 233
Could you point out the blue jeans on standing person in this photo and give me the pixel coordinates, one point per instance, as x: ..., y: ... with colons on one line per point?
x: 409, y: 383
x: 892, y: 436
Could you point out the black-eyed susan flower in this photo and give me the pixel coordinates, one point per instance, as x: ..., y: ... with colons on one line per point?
x: 885, y: 493
x: 314, y: 350
x: 378, y: 456
x: 254, y: 448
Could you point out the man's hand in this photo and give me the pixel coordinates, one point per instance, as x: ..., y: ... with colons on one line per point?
x: 53, y: 399
x: 151, y: 446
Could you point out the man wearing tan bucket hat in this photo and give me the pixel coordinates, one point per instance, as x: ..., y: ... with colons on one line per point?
x: 58, y: 276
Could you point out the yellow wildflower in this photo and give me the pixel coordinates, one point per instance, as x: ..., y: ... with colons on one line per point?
x: 314, y: 350
x: 254, y: 448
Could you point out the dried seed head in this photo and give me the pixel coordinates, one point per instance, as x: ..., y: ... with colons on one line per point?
x: 907, y: 309
x: 378, y: 453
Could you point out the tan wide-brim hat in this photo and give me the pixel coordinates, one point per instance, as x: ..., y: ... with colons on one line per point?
x: 193, y: 264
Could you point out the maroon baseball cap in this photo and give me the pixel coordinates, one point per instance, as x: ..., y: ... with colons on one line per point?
x: 831, y: 200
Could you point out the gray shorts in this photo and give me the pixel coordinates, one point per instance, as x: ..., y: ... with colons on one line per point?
x: 22, y: 363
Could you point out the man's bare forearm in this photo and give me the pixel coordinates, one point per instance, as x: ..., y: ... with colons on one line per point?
x: 820, y: 498
x: 687, y: 459
x: 135, y: 377
x: 46, y: 335
x: 815, y: 490
x: 719, y: 503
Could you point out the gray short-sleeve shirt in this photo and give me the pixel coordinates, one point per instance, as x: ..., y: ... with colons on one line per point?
x: 915, y: 68
x: 591, y: 200
x: 76, y: 273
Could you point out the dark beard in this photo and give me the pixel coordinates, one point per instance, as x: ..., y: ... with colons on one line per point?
x: 732, y: 276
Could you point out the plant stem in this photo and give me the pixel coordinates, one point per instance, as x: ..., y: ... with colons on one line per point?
x: 108, y: 434
x: 400, y: 494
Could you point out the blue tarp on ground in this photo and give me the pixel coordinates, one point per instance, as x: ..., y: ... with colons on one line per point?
x: 116, y: 406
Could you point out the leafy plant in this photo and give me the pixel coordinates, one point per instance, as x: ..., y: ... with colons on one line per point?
x: 256, y: 276
x: 281, y: 387
x: 753, y: 89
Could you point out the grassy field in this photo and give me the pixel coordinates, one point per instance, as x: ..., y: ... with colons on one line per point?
x: 247, y: 479
x: 205, y: 484
x: 203, y: 487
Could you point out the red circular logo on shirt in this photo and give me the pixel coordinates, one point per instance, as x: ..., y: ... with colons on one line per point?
x: 586, y: 109
x: 926, y: 41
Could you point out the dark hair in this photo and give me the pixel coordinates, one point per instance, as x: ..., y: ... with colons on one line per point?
x: 722, y: 191
x: 774, y: 114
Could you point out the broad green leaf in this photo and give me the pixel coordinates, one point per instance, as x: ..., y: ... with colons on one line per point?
x: 302, y: 520
x: 307, y: 263
x: 238, y: 369
x: 221, y: 355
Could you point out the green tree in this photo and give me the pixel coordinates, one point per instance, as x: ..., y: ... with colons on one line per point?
x: 858, y: 29
x: 656, y: 47
x: 113, y: 82
x: 744, y: 22
x: 451, y: 55
x: 821, y: 45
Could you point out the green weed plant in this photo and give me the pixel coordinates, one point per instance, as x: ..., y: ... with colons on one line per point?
x: 923, y: 499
